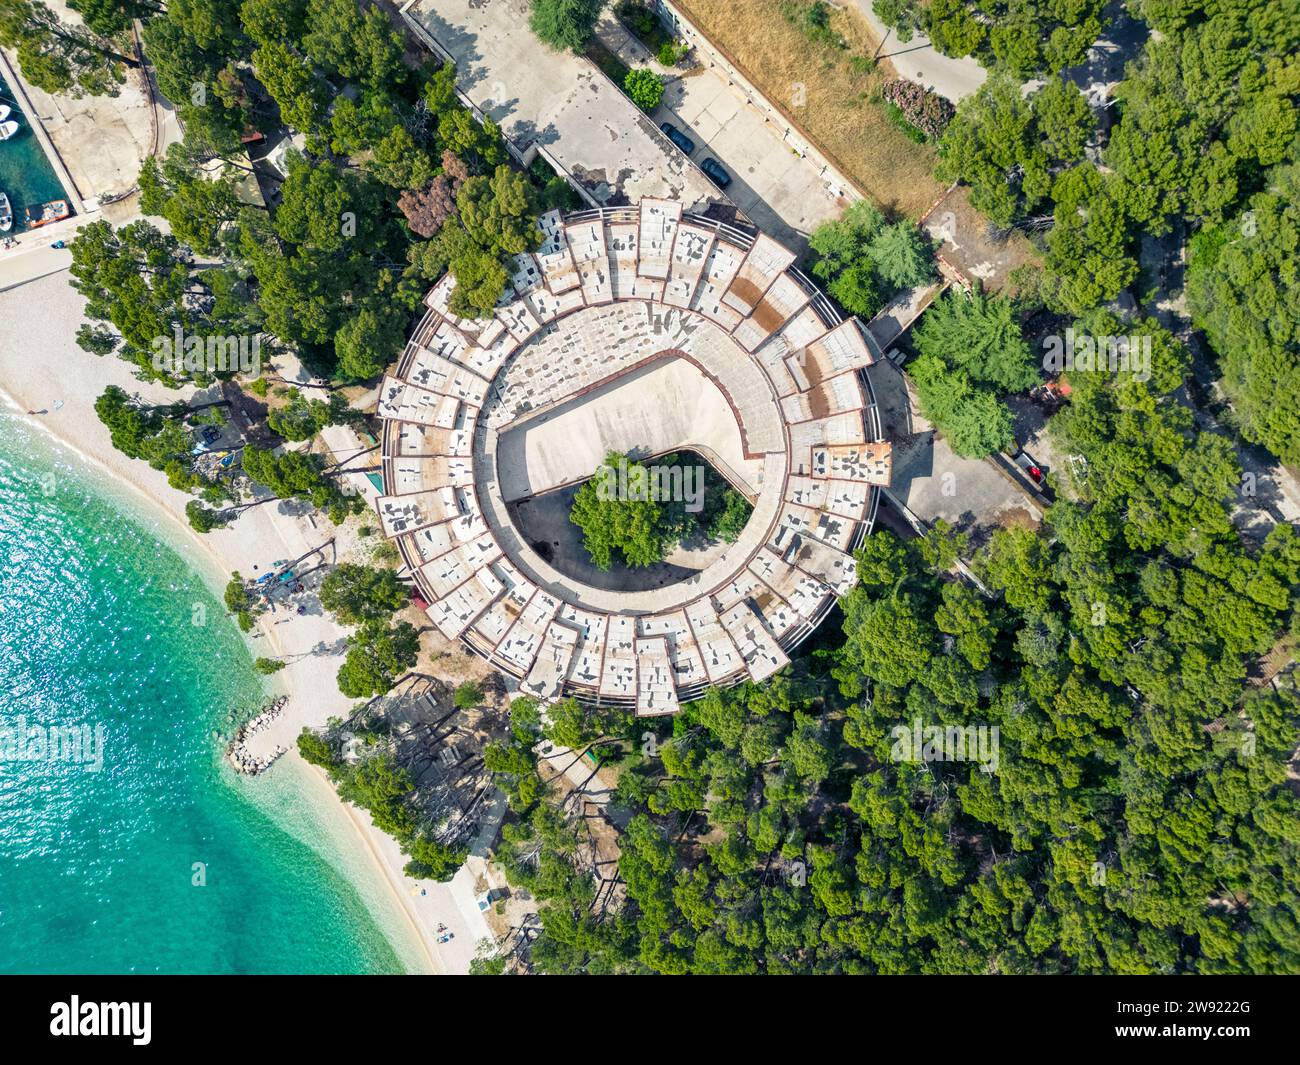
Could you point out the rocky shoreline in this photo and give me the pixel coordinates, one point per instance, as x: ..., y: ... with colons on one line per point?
x: 237, y: 751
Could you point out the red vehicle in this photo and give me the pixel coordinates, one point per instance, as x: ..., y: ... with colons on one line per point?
x: 1026, y: 462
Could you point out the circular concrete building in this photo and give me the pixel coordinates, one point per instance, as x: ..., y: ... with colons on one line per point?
x: 645, y: 331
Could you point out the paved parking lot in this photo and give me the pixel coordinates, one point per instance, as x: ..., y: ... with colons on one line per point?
x: 782, y: 192
x: 931, y: 480
x: 777, y: 188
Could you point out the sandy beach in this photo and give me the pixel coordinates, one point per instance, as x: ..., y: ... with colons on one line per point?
x: 50, y: 382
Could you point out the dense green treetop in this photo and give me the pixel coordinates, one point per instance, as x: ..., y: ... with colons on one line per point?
x: 636, y: 528
x: 1244, y: 291
x: 864, y: 259
x: 981, y: 334
x: 377, y: 657
x: 356, y: 594
x: 565, y: 23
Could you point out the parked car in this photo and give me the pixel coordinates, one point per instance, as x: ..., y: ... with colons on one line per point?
x: 714, y: 169
x: 677, y: 137
x: 1026, y: 462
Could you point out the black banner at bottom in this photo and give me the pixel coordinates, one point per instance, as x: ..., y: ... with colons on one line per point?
x: 142, y: 1013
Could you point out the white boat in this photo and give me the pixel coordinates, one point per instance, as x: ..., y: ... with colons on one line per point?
x: 8, y: 129
x: 6, y: 214
x: 4, y: 112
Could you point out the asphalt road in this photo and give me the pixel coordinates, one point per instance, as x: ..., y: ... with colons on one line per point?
x: 917, y: 60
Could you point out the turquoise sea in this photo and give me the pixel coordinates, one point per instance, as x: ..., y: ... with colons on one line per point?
x: 25, y: 173
x: 103, y: 624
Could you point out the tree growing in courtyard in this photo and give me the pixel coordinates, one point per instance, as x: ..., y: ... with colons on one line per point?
x: 729, y: 522
x: 627, y: 522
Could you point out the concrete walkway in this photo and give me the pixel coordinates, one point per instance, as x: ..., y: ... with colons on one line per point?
x: 32, y: 257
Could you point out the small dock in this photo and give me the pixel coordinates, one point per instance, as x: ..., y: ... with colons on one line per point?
x: 19, y: 92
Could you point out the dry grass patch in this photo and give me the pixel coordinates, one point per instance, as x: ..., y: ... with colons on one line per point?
x: 968, y: 243
x: 842, y: 114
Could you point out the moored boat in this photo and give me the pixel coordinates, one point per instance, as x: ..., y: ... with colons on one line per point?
x: 45, y: 213
x: 8, y: 129
x: 6, y: 214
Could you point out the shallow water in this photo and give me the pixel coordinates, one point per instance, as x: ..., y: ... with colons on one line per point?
x: 158, y: 859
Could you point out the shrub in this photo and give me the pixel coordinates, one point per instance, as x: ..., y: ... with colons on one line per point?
x: 730, y: 522
x: 468, y: 695
x: 902, y: 124
x: 267, y: 666
x: 640, y: 18
x: 316, y: 750
x: 672, y: 52
x: 385, y: 553
x: 645, y: 87
x: 927, y: 111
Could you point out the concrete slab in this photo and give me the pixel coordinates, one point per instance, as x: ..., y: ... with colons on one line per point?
x: 665, y: 407
x: 560, y: 102
x: 781, y: 191
x: 934, y: 482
